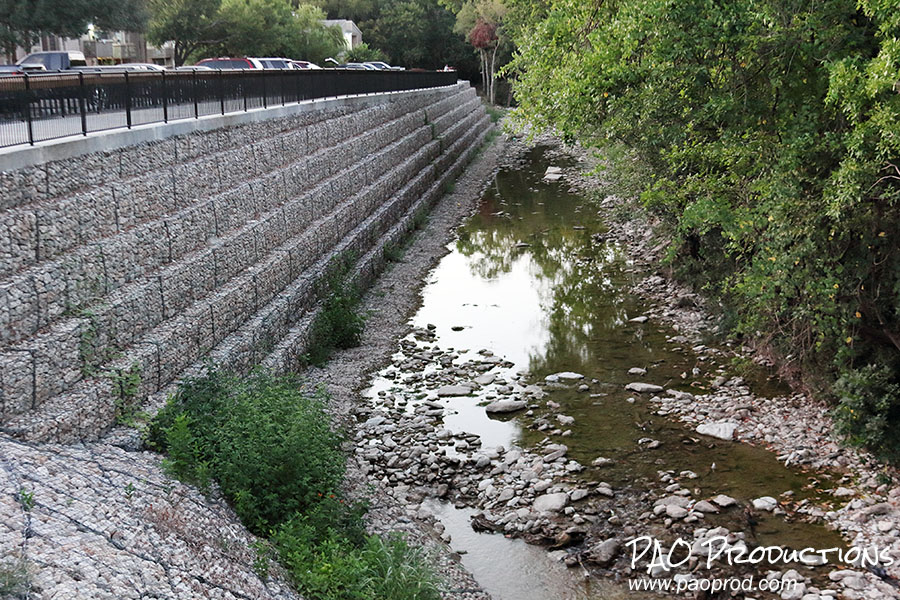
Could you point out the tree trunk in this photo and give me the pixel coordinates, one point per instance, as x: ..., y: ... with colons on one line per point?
x: 484, y: 79
x: 493, y: 97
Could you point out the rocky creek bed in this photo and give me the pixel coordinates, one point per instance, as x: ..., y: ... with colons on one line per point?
x: 426, y: 434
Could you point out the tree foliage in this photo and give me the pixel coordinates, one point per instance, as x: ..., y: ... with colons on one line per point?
x: 243, y: 28
x: 23, y: 22
x: 769, y: 139
x: 410, y: 33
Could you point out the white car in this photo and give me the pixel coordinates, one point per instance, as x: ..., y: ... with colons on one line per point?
x: 275, y: 63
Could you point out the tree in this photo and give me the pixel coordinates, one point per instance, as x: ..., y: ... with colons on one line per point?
x: 481, y: 21
x: 243, y: 28
x: 23, y: 22
x: 191, y: 24
x: 766, y: 139
x: 311, y: 40
x: 417, y: 33
x: 363, y: 53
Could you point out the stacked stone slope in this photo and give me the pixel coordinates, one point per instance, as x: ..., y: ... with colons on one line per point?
x: 120, y: 271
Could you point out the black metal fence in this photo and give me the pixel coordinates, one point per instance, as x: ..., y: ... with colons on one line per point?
x: 44, y: 106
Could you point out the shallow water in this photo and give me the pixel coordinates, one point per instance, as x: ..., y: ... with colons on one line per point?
x: 533, y: 279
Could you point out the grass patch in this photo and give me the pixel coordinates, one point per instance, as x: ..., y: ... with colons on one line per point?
x: 271, y: 449
x: 495, y: 112
x: 13, y: 579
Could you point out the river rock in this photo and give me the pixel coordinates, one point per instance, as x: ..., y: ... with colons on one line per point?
x: 765, y: 503
x: 505, y: 406
x: 553, y: 174
x: 724, y: 501
x: 723, y: 431
x: 605, y: 552
x: 705, y: 507
x: 602, y: 461
x: 453, y: 390
x: 641, y: 319
x: 675, y: 511
x: 637, y: 371
x: 567, y: 376
x: 643, y: 388
x: 578, y: 494
x: 550, y: 502
x: 565, y: 420
x: 485, y: 379
x: 673, y: 501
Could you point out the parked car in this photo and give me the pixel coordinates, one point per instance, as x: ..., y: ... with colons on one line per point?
x: 358, y: 67
x: 54, y: 61
x: 275, y: 63
x: 142, y: 67
x: 193, y: 68
x: 380, y: 65
x: 305, y: 64
x: 230, y: 63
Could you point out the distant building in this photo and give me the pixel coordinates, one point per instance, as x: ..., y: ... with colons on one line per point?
x: 107, y: 48
x: 352, y: 34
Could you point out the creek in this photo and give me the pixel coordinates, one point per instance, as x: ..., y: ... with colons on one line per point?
x: 534, y: 279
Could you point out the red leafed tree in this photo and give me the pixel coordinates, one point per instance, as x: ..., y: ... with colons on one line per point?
x: 483, y: 36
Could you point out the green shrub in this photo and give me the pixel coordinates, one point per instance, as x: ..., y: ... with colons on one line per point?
x: 766, y: 144
x: 274, y: 455
x: 268, y: 445
x: 868, y: 410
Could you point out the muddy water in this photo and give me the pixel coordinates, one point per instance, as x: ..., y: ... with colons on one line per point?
x: 533, y: 279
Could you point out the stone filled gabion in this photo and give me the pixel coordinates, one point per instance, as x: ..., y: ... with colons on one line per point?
x: 151, y: 258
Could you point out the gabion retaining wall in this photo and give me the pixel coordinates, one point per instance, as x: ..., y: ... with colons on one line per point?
x: 122, y: 270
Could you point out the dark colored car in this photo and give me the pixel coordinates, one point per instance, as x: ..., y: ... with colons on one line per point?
x: 54, y: 61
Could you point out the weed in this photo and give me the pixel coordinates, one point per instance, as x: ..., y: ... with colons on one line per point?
x: 495, y: 112
x: 261, y: 559
x: 420, y: 219
x: 26, y: 499
x: 129, y: 490
x: 449, y: 187
x: 14, y: 579
x: 339, y: 324
x: 127, y: 384
x: 392, y: 252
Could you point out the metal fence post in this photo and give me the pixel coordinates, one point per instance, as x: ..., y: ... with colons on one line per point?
x: 265, y: 100
x: 244, y: 86
x: 81, y: 103
x: 127, y: 101
x: 165, y: 98
x: 28, y: 109
x: 194, y: 89
x: 222, y: 90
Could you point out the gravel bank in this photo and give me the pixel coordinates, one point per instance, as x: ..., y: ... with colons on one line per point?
x: 390, y: 302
